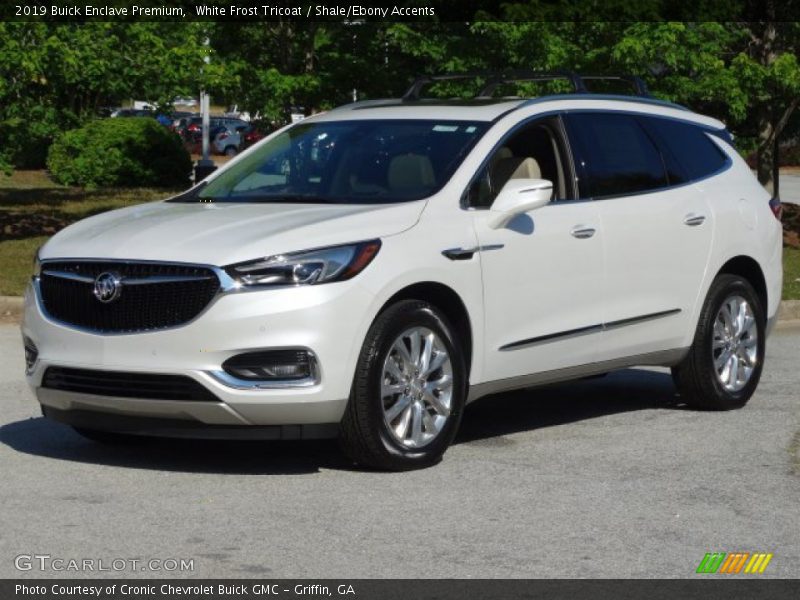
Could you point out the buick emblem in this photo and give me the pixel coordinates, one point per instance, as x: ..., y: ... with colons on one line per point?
x: 107, y: 287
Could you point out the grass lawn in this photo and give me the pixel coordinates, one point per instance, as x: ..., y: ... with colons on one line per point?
x: 791, y: 273
x: 30, y: 201
x: 31, y: 195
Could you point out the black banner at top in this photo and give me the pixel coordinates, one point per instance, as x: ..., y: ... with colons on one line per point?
x: 399, y: 10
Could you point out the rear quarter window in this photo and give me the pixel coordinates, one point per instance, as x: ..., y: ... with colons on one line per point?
x: 688, y: 146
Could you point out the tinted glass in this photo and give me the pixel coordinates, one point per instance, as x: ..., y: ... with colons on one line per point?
x: 689, y: 146
x: 349, y: 162
x: 617, y: 155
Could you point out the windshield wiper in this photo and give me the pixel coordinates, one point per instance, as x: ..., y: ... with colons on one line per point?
x: 277, y: 199
x: 308, y: 198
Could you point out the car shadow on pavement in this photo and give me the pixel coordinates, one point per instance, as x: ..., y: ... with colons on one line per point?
x: 43, y: 437
x: 489, y: 419
x: 486, y: 422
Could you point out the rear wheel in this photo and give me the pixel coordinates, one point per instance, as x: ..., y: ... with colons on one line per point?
x: 231, y: 151
x: 409, y: 390
x: 724, y: 364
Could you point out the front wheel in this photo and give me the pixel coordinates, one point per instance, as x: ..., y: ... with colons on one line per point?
x: 409, y: 390
x: 724, y: 364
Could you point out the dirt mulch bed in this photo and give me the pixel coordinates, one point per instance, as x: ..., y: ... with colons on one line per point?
x: 791, y: 225
x: 16, y: 225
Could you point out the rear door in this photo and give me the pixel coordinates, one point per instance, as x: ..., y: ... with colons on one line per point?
x: 656, y: 227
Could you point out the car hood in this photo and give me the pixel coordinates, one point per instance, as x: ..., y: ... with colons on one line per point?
x: 225, y: 233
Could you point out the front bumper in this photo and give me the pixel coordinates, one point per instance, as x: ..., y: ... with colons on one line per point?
x: 330, y: 319
x: 134, y: 424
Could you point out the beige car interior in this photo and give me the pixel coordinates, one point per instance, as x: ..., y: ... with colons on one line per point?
x: 406, y: 173
x: 410, y: 172
x: 533, y: 153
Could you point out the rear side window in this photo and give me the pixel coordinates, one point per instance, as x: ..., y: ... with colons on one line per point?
x: 616, y: 154
x: 687, y: 145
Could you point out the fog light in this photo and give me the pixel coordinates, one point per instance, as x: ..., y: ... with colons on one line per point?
x: 272, y: 365
x: 31, y: 354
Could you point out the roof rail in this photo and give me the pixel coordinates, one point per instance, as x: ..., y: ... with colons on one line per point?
x: 420, y: 82
x: 521, y: 75
x: 495, y: 78
x: 638, y: 84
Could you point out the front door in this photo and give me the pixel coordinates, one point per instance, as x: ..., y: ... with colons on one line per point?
x: 543, y: 272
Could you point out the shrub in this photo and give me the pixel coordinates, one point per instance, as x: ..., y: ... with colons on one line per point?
x: 124, y: 152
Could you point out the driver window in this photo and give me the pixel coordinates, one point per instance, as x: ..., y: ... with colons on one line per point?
x: 531, y: 153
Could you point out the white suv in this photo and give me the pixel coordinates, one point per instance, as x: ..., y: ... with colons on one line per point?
x: 369, y: 271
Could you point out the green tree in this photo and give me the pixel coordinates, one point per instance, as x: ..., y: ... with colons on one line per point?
x: 54, y: 76
x: 744, y: 73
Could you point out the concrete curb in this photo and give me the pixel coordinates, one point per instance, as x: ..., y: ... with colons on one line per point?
x: 11, y: 309
x: 789, y: 310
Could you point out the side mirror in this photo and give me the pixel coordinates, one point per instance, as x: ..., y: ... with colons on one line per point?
x: 518, y: 196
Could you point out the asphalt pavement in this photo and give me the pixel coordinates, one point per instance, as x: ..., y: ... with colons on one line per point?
x: 606, y: 477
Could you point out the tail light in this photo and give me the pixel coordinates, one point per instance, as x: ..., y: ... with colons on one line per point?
x: 222, y: 136
x: 777, y: 208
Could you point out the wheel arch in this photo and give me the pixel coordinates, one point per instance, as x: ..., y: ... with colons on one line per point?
x: 748, y: 268
x: 447, y: 300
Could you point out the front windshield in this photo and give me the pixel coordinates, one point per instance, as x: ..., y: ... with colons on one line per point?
x: 348, y: 162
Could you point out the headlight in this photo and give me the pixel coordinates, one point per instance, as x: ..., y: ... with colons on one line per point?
x: 310, y: 267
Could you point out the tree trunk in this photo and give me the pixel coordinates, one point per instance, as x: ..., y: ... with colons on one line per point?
x: 765, y: 154
x: 767, y: 136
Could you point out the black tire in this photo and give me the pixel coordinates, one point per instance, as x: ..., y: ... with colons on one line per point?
x: 696, y: 376
x: 109, y: 438
x: 365, y: 436
x: 231, y: 151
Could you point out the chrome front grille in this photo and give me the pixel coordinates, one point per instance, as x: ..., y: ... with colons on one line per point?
x: 125, y: 297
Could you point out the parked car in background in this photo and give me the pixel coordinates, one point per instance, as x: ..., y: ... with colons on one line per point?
x: 230, y: 143
x: 194, y: 127
x: 180, y: 123
x: 257, y: 131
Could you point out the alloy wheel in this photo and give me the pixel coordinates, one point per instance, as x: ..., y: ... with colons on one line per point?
x: 416, y: 387
x: 734, y: 343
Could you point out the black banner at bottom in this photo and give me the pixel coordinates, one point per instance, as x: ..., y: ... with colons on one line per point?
x: 405, y: 589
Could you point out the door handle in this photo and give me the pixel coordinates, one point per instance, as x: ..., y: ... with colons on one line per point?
x: 581, y: 232
x: 693, y: 220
